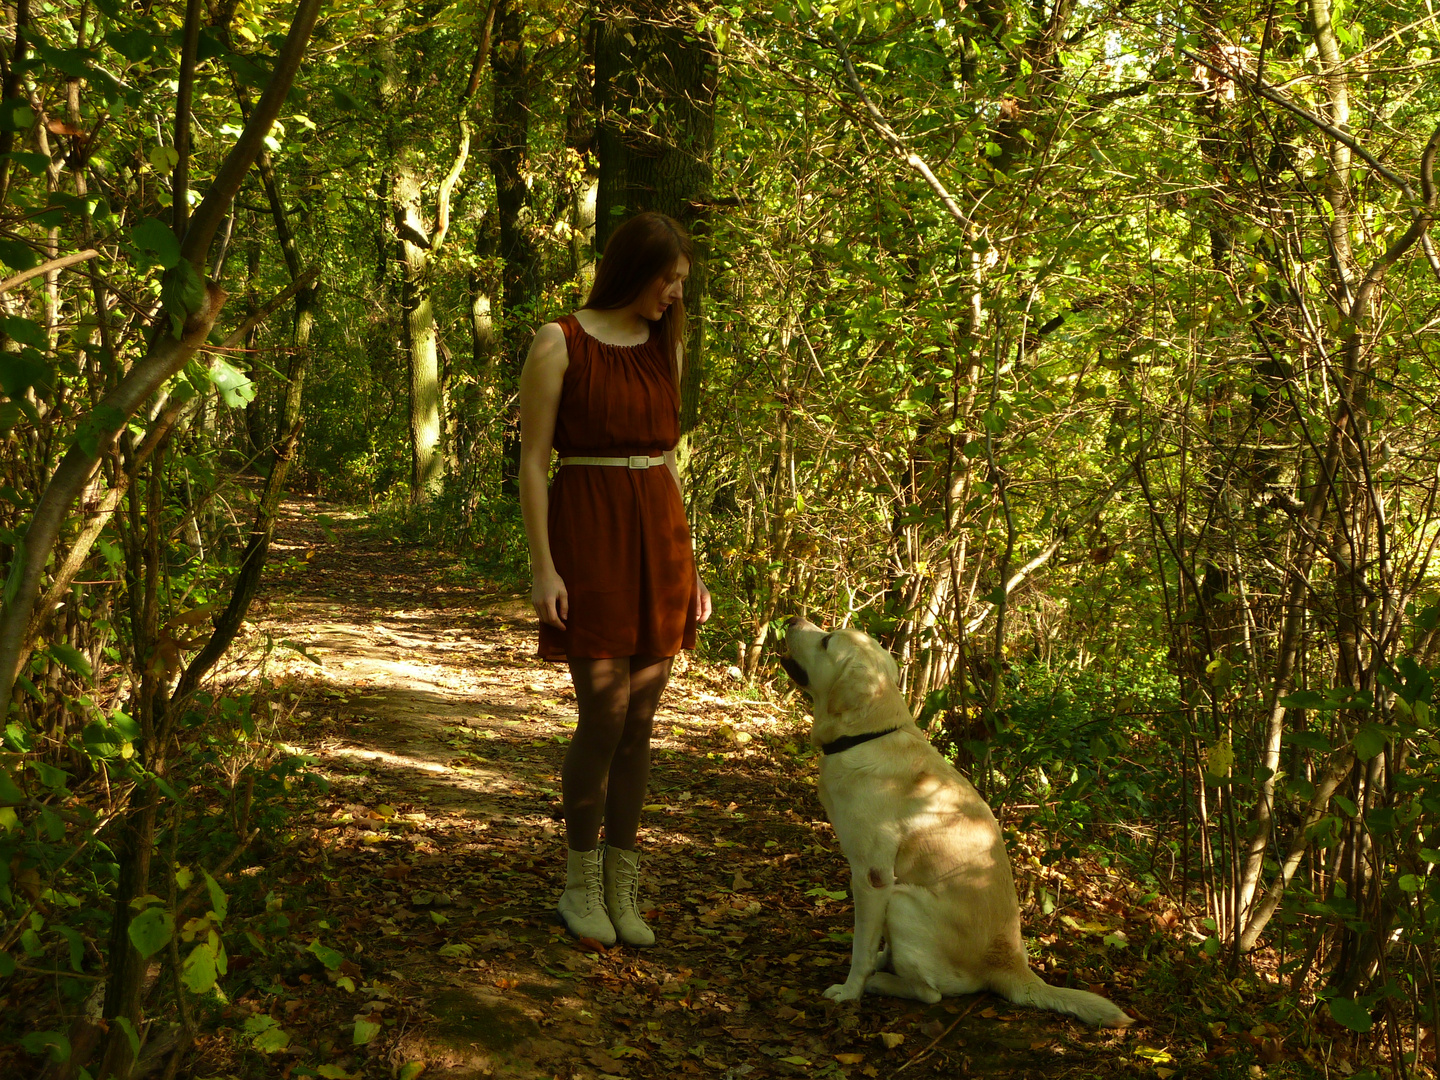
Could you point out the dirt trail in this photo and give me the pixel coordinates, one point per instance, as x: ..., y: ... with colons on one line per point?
x: 437, y: 857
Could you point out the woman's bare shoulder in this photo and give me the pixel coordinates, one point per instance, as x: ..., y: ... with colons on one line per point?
x: 549, y: 347
x: 550, y: 335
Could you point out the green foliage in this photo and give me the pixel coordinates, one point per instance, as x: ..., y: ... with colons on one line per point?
x: 1108, y: 454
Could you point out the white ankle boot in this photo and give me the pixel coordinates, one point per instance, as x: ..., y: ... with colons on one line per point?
x: 582, y: 904
x: 622, y: 885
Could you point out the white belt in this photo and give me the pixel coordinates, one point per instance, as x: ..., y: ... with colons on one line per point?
x: 634, y: 461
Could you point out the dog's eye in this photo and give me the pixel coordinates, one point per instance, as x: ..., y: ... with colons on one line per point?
x: 825, y: 641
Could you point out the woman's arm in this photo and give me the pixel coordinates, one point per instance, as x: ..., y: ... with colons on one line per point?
x: 540, y: 381
x: 703, y: 605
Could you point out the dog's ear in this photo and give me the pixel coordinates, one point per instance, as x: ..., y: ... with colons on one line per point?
x: 856, y: 685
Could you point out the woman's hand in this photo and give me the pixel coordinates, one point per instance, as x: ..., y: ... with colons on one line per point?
x: 552, y: 602
x: 703, y: 607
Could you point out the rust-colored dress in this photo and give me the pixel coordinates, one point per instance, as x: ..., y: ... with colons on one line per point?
x: 618, y: 536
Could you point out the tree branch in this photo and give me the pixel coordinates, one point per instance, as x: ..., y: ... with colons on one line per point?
x: 79, y: 552
x: 212, y: 209
x: 482, y: 52
x: 44, y: 268
x: 886, y: 132
x: 442, y: 200
x: 167, y: 355
x: 1269, y: 93
x: 1040, y: 560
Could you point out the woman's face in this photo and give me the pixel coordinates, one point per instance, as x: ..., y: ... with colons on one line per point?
x: 664, y: 291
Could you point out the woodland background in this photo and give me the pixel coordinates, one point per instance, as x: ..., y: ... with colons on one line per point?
x: 1085, y: 352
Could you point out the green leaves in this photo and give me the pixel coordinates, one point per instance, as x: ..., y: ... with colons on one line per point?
x: 199, y: 973
x: 54, y: 1045
x: 1350, y: 1014
x: 183, y: 292
x: 15, y: 115
x: 27, y: 367
x: 219, y: 902
x: 234, y: 385
x: 268, y: 1035
x: 70, y: 657
x: 327, y: 956
x: 98, y: 424
x: 157, y: 241
x: 151, y: 930
x: 10, y: 793
x: 1370, y: 740
x: 133, y: 43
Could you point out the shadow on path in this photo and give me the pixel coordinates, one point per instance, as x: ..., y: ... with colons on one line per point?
x: 439, y: 853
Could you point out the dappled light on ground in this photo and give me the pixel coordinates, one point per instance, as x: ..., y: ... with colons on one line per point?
x: 432, y: 864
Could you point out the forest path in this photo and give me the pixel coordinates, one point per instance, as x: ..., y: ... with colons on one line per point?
x: 437, y: 855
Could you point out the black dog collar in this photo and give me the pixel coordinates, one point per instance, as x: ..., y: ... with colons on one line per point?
x: 845, y: 742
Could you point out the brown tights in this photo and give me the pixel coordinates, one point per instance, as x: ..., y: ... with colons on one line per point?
x: 607, y: 767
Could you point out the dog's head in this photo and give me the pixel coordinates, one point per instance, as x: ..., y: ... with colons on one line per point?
x: 851, y: 678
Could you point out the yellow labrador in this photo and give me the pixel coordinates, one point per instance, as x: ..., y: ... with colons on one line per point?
x: 927, y: 863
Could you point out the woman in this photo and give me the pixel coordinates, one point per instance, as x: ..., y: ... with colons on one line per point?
x: 615, y: 584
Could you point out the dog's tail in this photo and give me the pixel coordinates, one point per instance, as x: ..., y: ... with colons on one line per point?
x: 1030, y: 989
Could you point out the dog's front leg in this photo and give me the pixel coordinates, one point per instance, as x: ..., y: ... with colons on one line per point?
x: 872, y: 897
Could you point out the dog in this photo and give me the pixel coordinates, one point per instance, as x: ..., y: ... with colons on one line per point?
x: 928, y: 866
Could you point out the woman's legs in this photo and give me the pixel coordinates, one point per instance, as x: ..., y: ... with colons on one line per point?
x: 630, y: 767
x: 607, y: 767
x: 602, y: 696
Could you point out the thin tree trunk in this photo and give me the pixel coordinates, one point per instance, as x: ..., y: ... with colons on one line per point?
x: 508, y: 157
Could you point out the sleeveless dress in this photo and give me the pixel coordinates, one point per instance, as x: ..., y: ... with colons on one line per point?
x: 618, y: 536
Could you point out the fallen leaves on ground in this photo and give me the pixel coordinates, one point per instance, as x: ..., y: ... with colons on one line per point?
x: 408, y: 922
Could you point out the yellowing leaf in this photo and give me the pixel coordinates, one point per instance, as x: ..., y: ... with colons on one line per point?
x: 849, y: 1059
x: 891, y: 1039
x: 198, y: 973
x: 1219, y: 758
x: 365, y: 1030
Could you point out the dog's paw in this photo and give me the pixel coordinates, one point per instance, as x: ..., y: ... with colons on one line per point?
x: 844, y: 992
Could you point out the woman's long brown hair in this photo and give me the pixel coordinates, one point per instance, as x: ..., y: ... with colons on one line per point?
x: 638, y: 252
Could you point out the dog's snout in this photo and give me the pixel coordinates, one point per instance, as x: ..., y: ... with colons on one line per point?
x: 800, y: 622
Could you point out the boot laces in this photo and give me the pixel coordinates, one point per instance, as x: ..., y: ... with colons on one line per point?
x: 627, y: 883
x: 594, y: 882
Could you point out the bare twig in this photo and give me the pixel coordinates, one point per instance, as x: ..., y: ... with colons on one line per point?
x: 224, y: 864
x: 936, y: 1041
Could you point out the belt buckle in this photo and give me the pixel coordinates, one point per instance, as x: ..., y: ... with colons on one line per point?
x: 639, y: 461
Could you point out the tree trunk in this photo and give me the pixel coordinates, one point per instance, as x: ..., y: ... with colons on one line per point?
x: 509, y: 152
x: 427, y: 463
x: 655, y: 86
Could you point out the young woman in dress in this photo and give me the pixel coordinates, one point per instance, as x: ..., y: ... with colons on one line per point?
x: 615, y: 584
